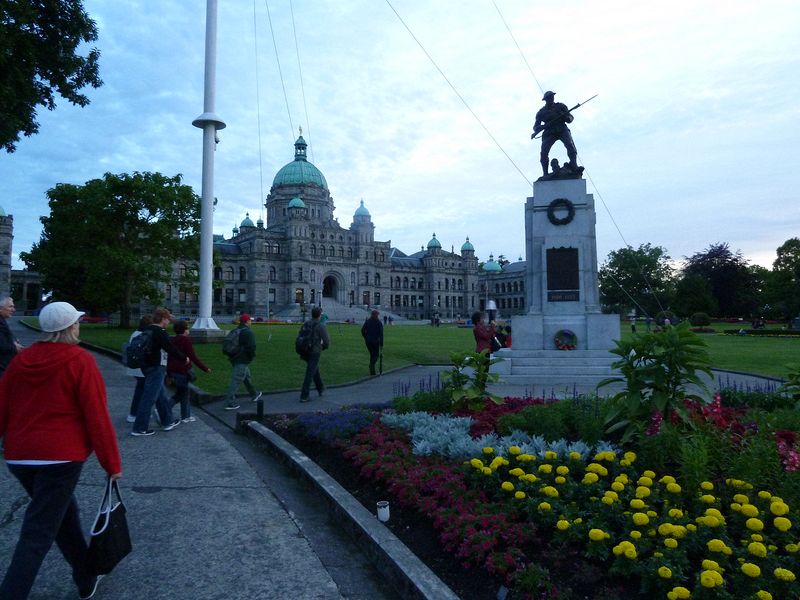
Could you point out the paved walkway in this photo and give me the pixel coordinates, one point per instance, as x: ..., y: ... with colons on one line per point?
x: 209, y: 518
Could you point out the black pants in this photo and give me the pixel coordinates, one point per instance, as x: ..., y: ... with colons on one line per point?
x: 51, y: 516
x: 374, y: 353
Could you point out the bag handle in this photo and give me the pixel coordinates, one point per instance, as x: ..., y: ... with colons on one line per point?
x: 104, y: 512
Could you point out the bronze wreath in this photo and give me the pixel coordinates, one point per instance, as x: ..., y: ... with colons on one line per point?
x: 565, y: 339
x: 560, y: 203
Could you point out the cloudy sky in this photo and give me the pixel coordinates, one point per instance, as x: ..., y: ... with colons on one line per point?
x: 692, y: 140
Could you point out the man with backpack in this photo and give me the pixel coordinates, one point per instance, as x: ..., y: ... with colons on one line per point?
x: 240, y: 348
x: 318, y: 340
x: 372, y: 332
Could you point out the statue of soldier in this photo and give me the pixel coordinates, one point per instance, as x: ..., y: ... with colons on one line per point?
x: 553, y: 118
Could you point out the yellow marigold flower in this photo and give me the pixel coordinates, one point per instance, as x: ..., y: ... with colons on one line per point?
x: 636, y: 534
x: 607, y: 500
x: 577, y: 521
x: 516, y: 472
x: 560, y: 480
x: 792, y: 548
x: 617, y: 486
x: 575, y: 455
x: 562, y: 470
x: 757, y: 549
x: 763, y: 595
x: 547, y: 469
x: 782, y: 524
x: 691, y: 527
x: 640, y: 519
x: 679, y: 593
x: 563, y: 525
x: 530, y: 478
x: 642, y: 491
x: 772, y: 548
x: 550, y: 491
x: 590, y: 478
x: 519, y: 495
x: 550, y: 455
x: 487, y: 470
x: 711, y: 565
x: 764, y: 495
x: 754, y: 524
x: 625, y: 463
x: 629, y: 456
x: 649, y: 473
x: 652, y: 514
x: 488, y: 450
x: 748, y: 510
x: 716, y: 545
x: 630, y: 553
x: 664, y: 572
x: 736, y: 507
x: 671, y: 543
x: 665, y: 529
x: 679, y: 531
x: 622, y: 478
x: 612, y: 494
x: 673, y: 488
x: 597, y: 535
x: 675, y: 513
x: 707, y: 486
x: 544, y: 506
x: 714, y: 513
x: 477, y: 463
x: 667, y: 479
x: 507, y: 486
x: 710, y: 579
x: 496, y: 463
x: 596, y: 468
x: 779, y: 508
x: 751, y: 570
x: 784, y: 574
x: 514, y: 450
x: 645, y: 481
x: 707, y: 499
x: 741, y: 499
x: 637, y: 504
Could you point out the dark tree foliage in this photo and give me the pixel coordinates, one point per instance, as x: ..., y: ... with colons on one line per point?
x: 782, y: 286
x: 640, y: 279
x: 693, y: 295
x: 733, y: 284
x: 111, y: 241
x: 39, y: 40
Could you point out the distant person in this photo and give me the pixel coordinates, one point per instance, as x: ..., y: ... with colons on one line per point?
x: 54, y: 414
x: 321, y: 341
x: 240, y: 361
x: 483, y: 333
x: 508, y: 336
x: 633, y: 325
x: 372, y: 332
x: 9, y: 345
x: 137, y: 373
x: 385, y: 319
x: 154, y: 370
x: 181, y: 372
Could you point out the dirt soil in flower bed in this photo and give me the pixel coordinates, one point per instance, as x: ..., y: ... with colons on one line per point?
x: 415, y: 530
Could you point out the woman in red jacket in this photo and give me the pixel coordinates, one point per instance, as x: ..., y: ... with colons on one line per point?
x: 483, y: 333
x: 179, y: 370
x: 53, y: 414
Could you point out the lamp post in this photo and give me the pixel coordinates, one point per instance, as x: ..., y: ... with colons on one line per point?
x: 490, y: 267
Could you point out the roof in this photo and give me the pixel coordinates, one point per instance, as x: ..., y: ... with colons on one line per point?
x: 300, y: 171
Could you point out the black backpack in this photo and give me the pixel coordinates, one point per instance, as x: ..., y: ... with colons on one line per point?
x: 304, y: 343
x: 135, y: 352
x: 230, y: 345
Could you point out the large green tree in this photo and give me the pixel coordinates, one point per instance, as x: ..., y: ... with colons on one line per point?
x: 39, y: 41
x: 640, y: 279
x: 111, y: 241
x: 782, y: 289
x: 733, y: 284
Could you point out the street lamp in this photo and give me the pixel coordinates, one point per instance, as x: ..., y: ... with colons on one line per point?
x: 490, y: 267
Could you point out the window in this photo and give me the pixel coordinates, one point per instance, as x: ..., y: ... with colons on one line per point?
x: 447, y: 284
x: 332, y: 250
x: 299, y: 273
x: 349, y: 253
x: 242, y: 274
x: 496, y: 288
x: 413, y: 283
x: 272, y: 274
x: 352, y: 277
x: 242, y: 295
x: 276, y: 248
x: 217, y: 273
x: 229, y: 274
x: 405, y: 283
x: 377, y: 297
x: 341, y: 251
x: 313, y: 276
x: 229, y: 296
x: 322, y: 250
x: 377, y: 281
x: 460, y: 285
x: 313, y: 249
x: 366, y: 277
x: 168, y: 293
x: 397, y: 282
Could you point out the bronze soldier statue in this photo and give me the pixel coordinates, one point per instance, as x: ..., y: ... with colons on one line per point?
x: 553, y: 118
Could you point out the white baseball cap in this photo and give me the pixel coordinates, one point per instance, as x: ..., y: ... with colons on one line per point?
x: 58, y: 315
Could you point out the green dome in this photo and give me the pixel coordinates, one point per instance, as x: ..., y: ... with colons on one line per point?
x: 297, y: 203
x: 434, y: 243
x: 247, y: 221
x: 300, y: 171
x: 491, y: 266
x: 2, y: 212
x: 361, y: 211
x: 467, y: 246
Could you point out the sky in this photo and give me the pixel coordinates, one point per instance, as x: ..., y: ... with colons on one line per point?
x: 692, y: 139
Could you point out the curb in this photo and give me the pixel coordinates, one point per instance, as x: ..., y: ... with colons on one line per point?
x: 409, y: 575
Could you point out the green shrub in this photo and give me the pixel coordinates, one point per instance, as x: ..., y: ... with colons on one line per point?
x: 437, y: 401
x: 660, y: 451
x: 756, y: 461
x: 694, y: 465
x: 700, y: 319
x: 546, y: 420
x: 769, y: 401
x: 585, y: 419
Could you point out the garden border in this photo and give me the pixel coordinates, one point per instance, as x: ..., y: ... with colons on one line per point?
x: 391, y: 557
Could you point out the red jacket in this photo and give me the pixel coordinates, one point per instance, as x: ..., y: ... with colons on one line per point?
x: 184, y: 344
x: 483, y: 336
x: 53, y: 406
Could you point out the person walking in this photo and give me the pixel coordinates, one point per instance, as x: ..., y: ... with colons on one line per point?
x: 372, y: 332
x: 9, y: 346
x: 154, y: 369
x: 181, y: 372
x: 320, y: 341
x: 53, y: 415
x: 137, y: 373
x: 483, y: 333
x: 240, y: 374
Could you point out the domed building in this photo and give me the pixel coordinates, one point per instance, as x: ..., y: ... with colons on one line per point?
x: 303, y: 256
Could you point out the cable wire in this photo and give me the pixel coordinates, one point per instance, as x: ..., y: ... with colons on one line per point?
x: 258, y: 113
x: 280, y: 72
x: 302, y: 87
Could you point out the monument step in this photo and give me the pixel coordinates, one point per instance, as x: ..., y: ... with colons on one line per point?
x: 555, y: 371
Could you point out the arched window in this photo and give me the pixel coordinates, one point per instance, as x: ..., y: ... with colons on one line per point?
x: 341, y: 251
x: 217, y: 273
x: 413, y: 283
x: 313, y: 249
x: 496, y: 288
x: 405, y: 283
x: 332, y: 250
x: 229, y: 274
x: 397, y: 282
x: 516, y: 288
x: 182, y: 271
x: 313, y: 276
x: 272, y: 274
x: 349, y: 253
x: 420, y: 283
x: 460, y: 285
x: 377, y: 282
x: 383, y: 257
x: 447, y: 284
x: 276, y: 248
x: 322, y: 250
x: 242, y: 274
x: 503, y: 288
x: 352, y: 277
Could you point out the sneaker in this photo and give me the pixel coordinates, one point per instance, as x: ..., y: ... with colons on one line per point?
x: 89, y: 593
x: 172, y: 425
x: 189, y: 419
x: 232, y: 407
x: 305, y: 399
x: 321, y: 392
x: 145, y: 432
x: 258, y: 396
x: 131, y: 418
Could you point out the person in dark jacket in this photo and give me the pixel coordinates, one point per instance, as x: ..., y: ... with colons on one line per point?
x: 241, y: 372
x: 322, y: 341
x: 154, y: 370
x: 372, y: 332
x: 9, y: 346
x: 180, y: 371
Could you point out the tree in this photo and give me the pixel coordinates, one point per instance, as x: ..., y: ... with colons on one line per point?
x: 113, y: 240
x: 733, y: 285
x: 692, y: 295
x: 641, y: 279
x: 38, y: 58
x: 782, y: 289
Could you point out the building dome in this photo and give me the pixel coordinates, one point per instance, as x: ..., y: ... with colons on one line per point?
x: 492, y: 267
x: 260, y: 223
x: 235, y: 230
x: 247, y: 222
x: 2, y: 212
x: 434, y: 243
x: 467, y: 246
x: 300, y: 171
x: 297, y: 203
x: 361, y: 211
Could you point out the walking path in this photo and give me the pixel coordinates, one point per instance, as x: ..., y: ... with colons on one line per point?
x: 211, y: 519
